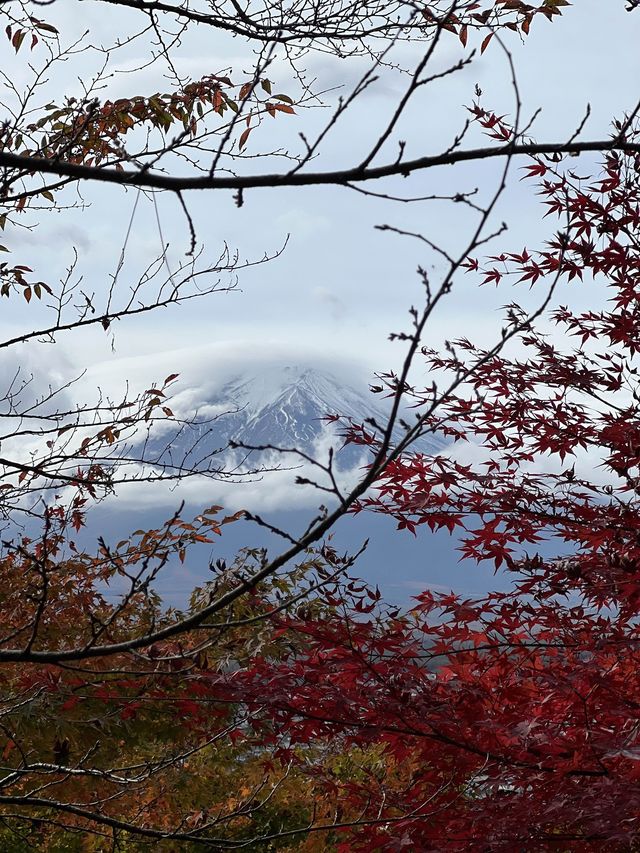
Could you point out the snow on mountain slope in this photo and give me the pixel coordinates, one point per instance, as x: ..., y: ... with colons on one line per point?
x: 275, y: 404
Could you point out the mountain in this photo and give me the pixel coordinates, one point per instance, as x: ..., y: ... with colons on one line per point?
x: 282, y: 404
x: 279, y: 405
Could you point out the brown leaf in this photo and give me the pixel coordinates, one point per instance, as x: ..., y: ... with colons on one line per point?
x: 485, y: 43
x: 244, y: 136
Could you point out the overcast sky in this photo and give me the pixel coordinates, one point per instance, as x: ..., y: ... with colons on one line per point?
x: 340, y: 286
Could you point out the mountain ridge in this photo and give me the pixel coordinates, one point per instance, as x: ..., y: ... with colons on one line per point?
x: 281, y: 406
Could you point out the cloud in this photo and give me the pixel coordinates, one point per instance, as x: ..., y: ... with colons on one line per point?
x: 275, y: 487
x: 48, y: 238
x: 205, y: 368
x: 328, y: 298
x: 39, y: 370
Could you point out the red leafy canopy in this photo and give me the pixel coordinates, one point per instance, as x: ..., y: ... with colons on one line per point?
x: 515, y: 716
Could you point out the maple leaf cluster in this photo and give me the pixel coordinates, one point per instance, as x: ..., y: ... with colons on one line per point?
x: 519, y: 710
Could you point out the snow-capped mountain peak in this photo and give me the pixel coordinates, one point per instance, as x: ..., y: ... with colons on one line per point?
x: 276, y: 404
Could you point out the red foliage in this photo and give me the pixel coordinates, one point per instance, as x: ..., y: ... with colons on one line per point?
x: 519, y: 714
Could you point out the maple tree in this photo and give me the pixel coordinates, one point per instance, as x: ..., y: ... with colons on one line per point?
x: 526, y: 736
x: 288, y: 707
